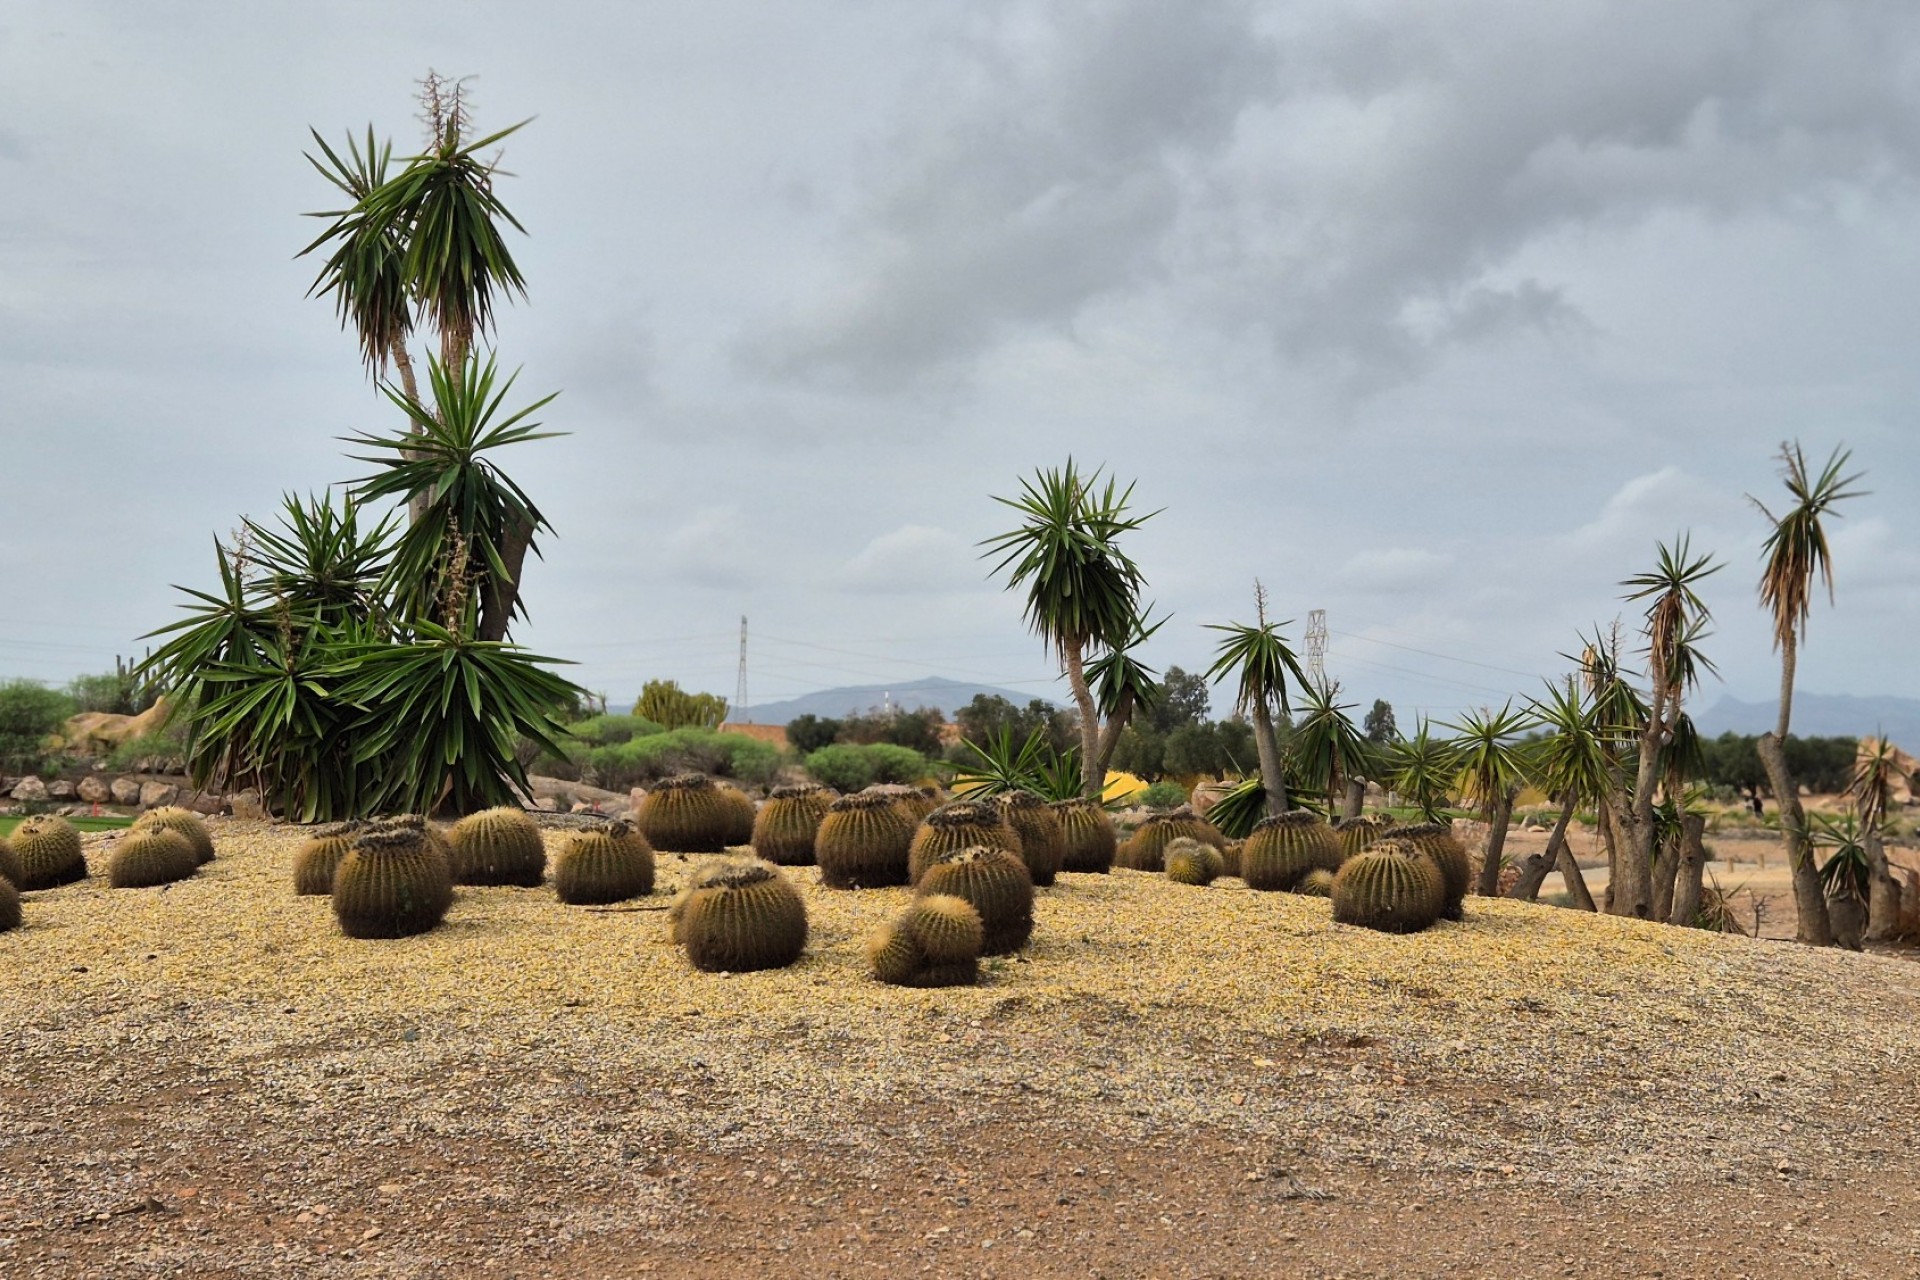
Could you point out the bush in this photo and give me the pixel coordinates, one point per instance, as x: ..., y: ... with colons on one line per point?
x: 607, y: 731
x: 639, y: 761
x: 846, y: 767
x: 1166, y: 794
x: 169, y: 744
x: 809, y: 733
x: 28, y: 713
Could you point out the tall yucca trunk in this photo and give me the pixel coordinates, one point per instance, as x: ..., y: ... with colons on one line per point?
x: 1272, y: 778
x: 1812, y: 924
x: 1093, y: 782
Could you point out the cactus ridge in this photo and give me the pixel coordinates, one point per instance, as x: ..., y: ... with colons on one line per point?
x: 1190, y: 862
x: 1043, y: 843
x: 393, y: 883
x: 962, y: 824
x: 688, y: 814
x: 150, y: 856
x: 1437, y: 843
x: 862, y: 843
x: 1389, y: 888
x: 602, y: 863
x: 319, y: 856
x: 187, y: 823
x: 995, y: 883
x: 48, y: 849
x: 784, y: 828
x: 9, y: 864
x: 498, y: 847
x: 1145, y: 849
x: 747, y: 916
x: 1088, y: 841
x: 9, y: 905
x: 1284, y: 848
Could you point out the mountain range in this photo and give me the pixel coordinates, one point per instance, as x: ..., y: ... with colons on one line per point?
x: 930, y: 691
x: 1819, y: 715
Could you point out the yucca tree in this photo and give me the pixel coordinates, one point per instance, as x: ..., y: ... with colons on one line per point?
x: 1876, y: 771
x: 1674, y: 616
x: 1490, y: 768
x: 1573, y: 763
x: 1422, y: 770
x: 1794, y: 553
x: 1264, y: 661
x: 1328, y: 749
x: 321, y: 562
x: 1123, y: 687
x: 1083, y: 591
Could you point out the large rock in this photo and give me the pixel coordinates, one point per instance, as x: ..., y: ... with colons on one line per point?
x: 29, y: 790
x: 93, y: 789
x: 61, y: 789
x: 97, y: 733
x: 125, y: 791
x: 567, y: 795
x: 247, y: 805
x: 158, y: 795
x: 204, y: 802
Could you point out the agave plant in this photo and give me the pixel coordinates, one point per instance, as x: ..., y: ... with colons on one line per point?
x: 1033, y: 766
x: 1846, y: 872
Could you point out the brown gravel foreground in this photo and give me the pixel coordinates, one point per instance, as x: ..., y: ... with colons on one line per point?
x: 209, y: 1080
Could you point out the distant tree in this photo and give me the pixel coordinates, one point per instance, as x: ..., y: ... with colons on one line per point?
x: 1264, y: 660
x: 1379, y: 726
x: 29, y: 712
x: 1196, y: 749
x: 918, y: 730
x: 665, y: 702
x: 1141, y: 751
x: 1185, y: 699
x: 808, y: 733
x: 989, y: 715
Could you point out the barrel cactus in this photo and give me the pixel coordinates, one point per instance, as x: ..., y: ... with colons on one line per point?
x: 915, y: 802
x: 740, y: 810
x: 1439, y: 845
x: 187, y: 823
x: 1317, y: 883
x: 994, y: 881
x: 1283, y: 848
x: 1087, y: 839
x: 1145, y: 849
x: 784, y: 828
x: 498, y: 846
x: 1391, y: 887
x: 687, y: 814
x: 1190, y: 862
x: 319, y: 855
x: 393, y: 883
x: 744, y: 917
x: 149, y: 856
x: 602, y: 863
x: 413, y: 823
x: 963, y: 824
x: 9, y: 905
x: 862, y: 843
x: 1357, y: 834
x: 48, y: 849
x: 9, y: 864
x: 1230, y: 857
x: 1043, y: 845
x: 704, y: 874
x: 934, y: 942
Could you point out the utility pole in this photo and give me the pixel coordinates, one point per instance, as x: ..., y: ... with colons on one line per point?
x: 1317, y: 647
x: 740, y: 684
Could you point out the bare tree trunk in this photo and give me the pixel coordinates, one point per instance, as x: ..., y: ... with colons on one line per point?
x: 1883, y: 891
x: 1533, y: 872
x: 1093, y: 781
x: 1356, y: 798
x: 1498, y: 819
x: 403, y: 361
x: 1272, y: 778
x: 1110, y: 736
x: 1687, y: 885
x: 1605, y: 818
x: 1575, y: 882
x: 1666, y: 865
x: 496, y: 613
x: 1812, y: 924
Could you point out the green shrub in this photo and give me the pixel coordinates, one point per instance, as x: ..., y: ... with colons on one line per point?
x: 28, y: 713
x: 846, y: 767
x: 643, y: 760
x: 607, y: 731
x: 896, y: 764
x: 1165, y: 794
x: 168, y: 744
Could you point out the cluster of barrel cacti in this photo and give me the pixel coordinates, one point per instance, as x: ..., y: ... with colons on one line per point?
x: 934, y: 942
x: 1188, y: 861
x: 185, y: 823
x: 1145, y: 849
x: 994, y: 881
x: 738, y: 915
x: 1283, y: 849
x: 1438, y: 844
x: 962, y: 824
x: 1391, y: 886
x: 314, y: 861
x: 395, y: 880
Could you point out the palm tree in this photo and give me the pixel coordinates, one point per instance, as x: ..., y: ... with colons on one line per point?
x: 1422, y: 770
x: 1328, y: 750
x: 1264, y: 660
x: 1573, y: 764
x: 1876, y: 770
x: 1491, y: 768
x: 1795, y: 552
x: 1083, y: 591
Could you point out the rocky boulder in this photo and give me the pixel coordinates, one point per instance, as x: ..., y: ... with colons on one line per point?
x: 157, y: 795
x: 125, y: 791
x: 93, y: 789
x: 29, y: 790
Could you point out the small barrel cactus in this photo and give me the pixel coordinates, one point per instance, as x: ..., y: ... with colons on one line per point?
x: 1438, y: 844
x: 48, y: 848
x: 784, y: 828
x: 1317, y: 883
x: 1230, y: 857
x: 602, y: 863
x: 934, y: 942
x: 498, y: 846
x: 1087, y: 838
x: 687, y: 814
x: 151, y: 855
x: 962, y: 824
x: 741, y: 811
x: 744, y: 917
x: 1190, y: 862
x: 9, y: 864
x: 862, y: 842
x: 1043, y: 845
x: 318, y: 856
x: 393, y: 883
x: 1283, y: 848
x: 1357, y: 834
x: 995, y: 883
x: 9, y: 905
x: 1391, y: 887
x: 187, y: 823
x: 1145, y: 849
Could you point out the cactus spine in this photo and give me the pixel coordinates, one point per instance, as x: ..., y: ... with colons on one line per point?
x: 963, y: 824
x: 393, y: 883
x: 1043, y: 845
x: 995, y: 883
x: 149, y: 856
x: 1285, y: 847
x: 603, y: 863
x: 1145, y: 849
x: 48, y: 848
x: 1190, y: 862
x: 1087, y: 836
x: 784, y: 828
x: 934, y: 942
x: 187, y: 823
x: 1391, y: 887
x: 744, y: 917
x: 862, y: 842
x: 1438, y: 844
x: 317, y: 858
x: 498, y: 846
x: 686, y: 814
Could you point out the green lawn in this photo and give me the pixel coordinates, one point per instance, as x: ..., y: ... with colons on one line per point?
x: 85, y: 824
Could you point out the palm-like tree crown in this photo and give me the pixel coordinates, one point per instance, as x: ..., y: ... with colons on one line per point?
x: 1796, y: 550
x: 1573, y: 758
x: 1489, y: 760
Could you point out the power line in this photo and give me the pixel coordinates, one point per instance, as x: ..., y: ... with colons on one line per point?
x: 1446, y: 657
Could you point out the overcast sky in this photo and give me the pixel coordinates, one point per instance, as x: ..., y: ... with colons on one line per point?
x: 1434, y: 316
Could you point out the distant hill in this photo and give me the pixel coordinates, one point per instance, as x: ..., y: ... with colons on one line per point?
x: 1819, y: 715
x: 931, y: 691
